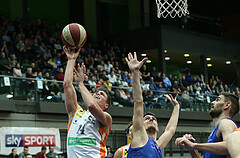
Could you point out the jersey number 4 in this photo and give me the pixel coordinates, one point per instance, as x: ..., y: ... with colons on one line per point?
x: 81, y: 129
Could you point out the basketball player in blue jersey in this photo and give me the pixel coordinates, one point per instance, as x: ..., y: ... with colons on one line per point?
x: 145, y: 128
x: 87, y: 129
x: 222, y: 110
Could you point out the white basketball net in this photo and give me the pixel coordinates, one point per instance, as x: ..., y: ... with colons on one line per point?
x: 172, y: 8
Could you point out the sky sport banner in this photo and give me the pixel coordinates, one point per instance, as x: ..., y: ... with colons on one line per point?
x: 34, y: 138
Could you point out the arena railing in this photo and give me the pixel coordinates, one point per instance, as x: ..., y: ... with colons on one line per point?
x: 33, y: 90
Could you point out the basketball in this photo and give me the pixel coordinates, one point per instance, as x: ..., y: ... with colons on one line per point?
x: 74, y: 35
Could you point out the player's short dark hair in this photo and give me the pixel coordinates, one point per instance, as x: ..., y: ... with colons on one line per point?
x: 104, y: 89
x: 129, y: 125
x: 229, y: 97
x: 25, y: 147
x: 149, y: 113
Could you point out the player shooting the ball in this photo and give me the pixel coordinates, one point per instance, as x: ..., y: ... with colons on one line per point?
x: 87, y: 129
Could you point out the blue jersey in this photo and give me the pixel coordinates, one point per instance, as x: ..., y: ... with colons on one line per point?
x: 213, y: 139
x: 149, y: 150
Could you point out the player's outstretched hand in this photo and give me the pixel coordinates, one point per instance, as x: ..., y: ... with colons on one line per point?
x: 171, y: 99
x: 185, y: 143
x: 133, y: 63
x: 80, y: 73
x: 71, y: 53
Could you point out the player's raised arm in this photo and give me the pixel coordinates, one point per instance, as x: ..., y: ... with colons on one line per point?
x: 172, y: 124
x: 69, y: 91
x: 140, y: 136
x: 96, y: 103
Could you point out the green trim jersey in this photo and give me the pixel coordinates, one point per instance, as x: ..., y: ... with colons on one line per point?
x: 86, y: 137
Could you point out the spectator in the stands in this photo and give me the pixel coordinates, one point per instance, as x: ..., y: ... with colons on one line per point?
x: 170, y: 77
x: 60, y: 74
x: 119, y: 74
x: 159, y: 78
x: 57, y: 60
x: 47, y: 75
x: 166, y: 82
x: 181, y: 86
x: 34, y: 68
x: 47, y: 54
x: 212, y: 80
x: 58, y: 46
x: 153, y: 72
x: 17, y: 72
x: 184, y: 82
x: 175, y: 87
x: 12, y: 60
x: 118, y: 81
x: 219, y: 88
x: 6, y: 36
x: 29, y: 84
x: 124, y: 75
x: 92, y: 82
x: 55, y: 91
x: 208, y: 88
x: 152, y: 84
x: 189, y: 78
x: 86, y: 78
x: 43, y: 48
x: 79, y: 59
x: 99, y: 83
x: 89, y: 60
x: 108, y: 66
x: 4, y: 47
x: 39, y: 75
x: 226, y: 88
x: 145, y: 73
x: 42, y: 153
x: 198, y: 87
x: 111, y: 53
x: 117, y: 66
x: 24, y: 153
x: 124, y: 82
x: 200, y: 97
x: 51, y: 153
x: 4, y: 64
x: 186, y: 97
x: 129, y: 78
x: 160, y: 91
x: 13, y: 154
x: 196, y: 79
x: 121, y: 96
x: 112, y: 77
x: 101, y: 65
x: 153, y: 101
x: 108, y: 84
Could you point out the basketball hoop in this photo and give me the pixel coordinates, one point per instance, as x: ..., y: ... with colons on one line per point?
x: 172, y: 8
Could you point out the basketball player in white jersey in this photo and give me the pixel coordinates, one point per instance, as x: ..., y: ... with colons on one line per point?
x: 123, y: 150
x: 87, y: 130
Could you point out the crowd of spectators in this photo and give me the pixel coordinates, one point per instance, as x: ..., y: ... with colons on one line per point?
x: 42, y: 154
x: 29, y: 50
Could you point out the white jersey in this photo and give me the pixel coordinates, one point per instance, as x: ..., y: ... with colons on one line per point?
x: 86, y: 137
x: 125, y: 149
